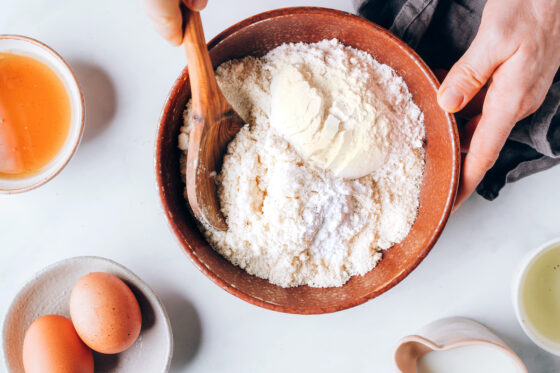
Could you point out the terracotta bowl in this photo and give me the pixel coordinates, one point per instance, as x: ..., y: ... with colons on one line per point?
x: 256, y: 36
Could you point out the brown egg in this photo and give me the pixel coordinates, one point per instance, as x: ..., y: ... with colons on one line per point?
x: 105, y: 313
x: 51, y: 345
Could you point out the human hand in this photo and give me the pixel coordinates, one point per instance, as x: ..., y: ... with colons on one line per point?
x: 515, y: 55
x: 167, y: 17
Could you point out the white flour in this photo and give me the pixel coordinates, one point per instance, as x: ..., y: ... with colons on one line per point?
x: 289, y: 221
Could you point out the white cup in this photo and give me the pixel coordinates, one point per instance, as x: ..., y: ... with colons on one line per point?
x: 517, y: 295
x: 32, y: 48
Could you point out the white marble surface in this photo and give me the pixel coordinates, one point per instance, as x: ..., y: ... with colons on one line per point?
x: 105, y: 203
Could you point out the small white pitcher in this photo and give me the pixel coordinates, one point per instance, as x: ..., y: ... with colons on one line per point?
x: 447, y: 334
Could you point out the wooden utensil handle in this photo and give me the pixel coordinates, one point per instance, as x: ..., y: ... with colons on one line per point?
x: 203, y: 81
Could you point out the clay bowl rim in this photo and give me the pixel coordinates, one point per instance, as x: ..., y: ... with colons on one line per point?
x: 438, y: 228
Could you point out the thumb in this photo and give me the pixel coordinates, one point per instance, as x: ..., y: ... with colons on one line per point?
x: 167, y: 19
x: 468, y: 76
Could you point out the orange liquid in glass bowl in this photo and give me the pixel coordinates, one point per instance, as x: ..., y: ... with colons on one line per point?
x: 35, y: 115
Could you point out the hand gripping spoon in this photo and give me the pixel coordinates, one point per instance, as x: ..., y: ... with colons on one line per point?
x: 215, y: 123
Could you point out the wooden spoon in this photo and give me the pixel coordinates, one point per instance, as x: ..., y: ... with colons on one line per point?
x: 215, y: 123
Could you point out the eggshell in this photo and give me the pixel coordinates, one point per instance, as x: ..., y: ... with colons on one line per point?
x: 105, y: 313
x: 51, y: 345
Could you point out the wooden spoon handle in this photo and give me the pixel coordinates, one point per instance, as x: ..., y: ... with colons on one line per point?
x: 201, y: 73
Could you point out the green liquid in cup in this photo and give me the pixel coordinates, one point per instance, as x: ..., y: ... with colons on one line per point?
x: 541, y: 294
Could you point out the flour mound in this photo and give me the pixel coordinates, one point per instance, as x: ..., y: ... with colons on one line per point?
x: 297, y: 224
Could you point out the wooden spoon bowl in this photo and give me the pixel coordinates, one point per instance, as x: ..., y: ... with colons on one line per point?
x: 256, y: 36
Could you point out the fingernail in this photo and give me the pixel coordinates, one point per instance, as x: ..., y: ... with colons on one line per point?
x: 197, y: 5
x: 450, y: 99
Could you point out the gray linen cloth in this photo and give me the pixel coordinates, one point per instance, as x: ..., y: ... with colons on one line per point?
x: 441, y: 31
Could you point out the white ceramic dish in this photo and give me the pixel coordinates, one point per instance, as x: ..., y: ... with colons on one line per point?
x: 23, y: 45
x: 49, y: 293
x: 518, y: 281
x: 447, y: 334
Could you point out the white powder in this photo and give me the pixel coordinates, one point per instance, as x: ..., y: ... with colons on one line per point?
x: 294, y: 223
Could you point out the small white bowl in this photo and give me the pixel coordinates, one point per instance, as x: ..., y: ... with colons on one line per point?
x: 49, y: 293
x: 26, y: 46
x: 517, y: 284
